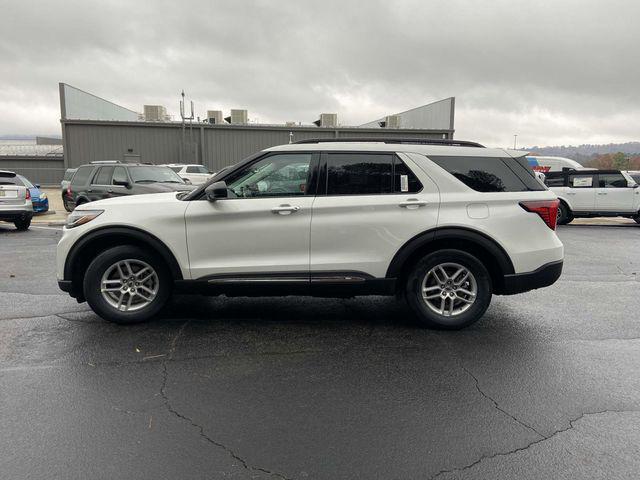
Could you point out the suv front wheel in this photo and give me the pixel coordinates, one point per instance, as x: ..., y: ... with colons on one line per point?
x: 127, y: 285
x: 448, y: 289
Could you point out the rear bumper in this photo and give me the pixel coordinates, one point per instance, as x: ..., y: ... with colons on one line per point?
x: 11, y: 215
x: 523, y: 282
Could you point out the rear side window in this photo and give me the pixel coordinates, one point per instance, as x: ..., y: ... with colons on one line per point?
x: 103, y: 177
x: 82, y: 175
x: 359, y: 174
x: 581, y: 181
x: 489, y: 174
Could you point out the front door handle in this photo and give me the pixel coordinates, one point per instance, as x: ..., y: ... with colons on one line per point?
x: 602, y: 193
x: 285, y: 209
x: 412, y: 203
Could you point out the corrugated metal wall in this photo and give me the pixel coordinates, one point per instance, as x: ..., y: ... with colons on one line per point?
x: 41, y: 170
x: 213, y: 146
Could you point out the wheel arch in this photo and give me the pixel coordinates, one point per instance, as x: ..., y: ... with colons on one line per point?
x: 487, y: 250
x: 99, y: 240
x: 566, y: 202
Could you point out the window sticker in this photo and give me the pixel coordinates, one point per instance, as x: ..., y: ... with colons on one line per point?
x: 404, y: 183
x: 583, y: 181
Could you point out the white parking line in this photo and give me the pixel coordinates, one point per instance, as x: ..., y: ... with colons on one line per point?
x: 46, y: 228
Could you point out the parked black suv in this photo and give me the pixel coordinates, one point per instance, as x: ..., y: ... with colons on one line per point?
x: 100, y: 180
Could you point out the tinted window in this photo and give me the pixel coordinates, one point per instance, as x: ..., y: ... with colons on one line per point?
x: 103, y: 177
x: 196, y: 169
x: 176, y: 169
x: 119, y: 175
x: 82, y: 175
x: 359, y: 174
x: 488, y: 174
x: 612, y: 180
x: 404, y: 180
x: 273, y: 176
x: 581, y: 181
x: 554, y: 180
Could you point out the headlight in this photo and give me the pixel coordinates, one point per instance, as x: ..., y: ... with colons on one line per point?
x: 43, y: 196
x: 80, y: 217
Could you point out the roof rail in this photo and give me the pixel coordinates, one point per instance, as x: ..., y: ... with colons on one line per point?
x: 414, y: 141
x: 98, y: 162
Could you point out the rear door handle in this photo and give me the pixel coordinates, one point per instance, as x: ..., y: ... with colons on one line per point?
x: 412, y: 203
x: 285, y: 209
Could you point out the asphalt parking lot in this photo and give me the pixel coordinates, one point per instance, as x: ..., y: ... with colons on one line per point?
x: 547, y: 385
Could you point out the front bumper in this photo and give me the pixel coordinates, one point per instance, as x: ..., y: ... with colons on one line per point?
x: 41, y: 206
x: 541, y: 277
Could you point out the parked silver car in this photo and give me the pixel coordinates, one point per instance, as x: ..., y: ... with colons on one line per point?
x: 15, y: 201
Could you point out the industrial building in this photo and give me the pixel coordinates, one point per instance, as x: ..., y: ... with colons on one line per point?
x: 96, y: 129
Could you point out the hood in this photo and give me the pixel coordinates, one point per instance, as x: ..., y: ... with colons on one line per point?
x: 149, y: 198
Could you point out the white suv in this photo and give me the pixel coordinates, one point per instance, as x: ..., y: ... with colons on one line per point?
x: 595, y: 193
x: 444, y: 224
x: 196, y: 174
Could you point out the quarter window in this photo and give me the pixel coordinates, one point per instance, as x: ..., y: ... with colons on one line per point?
x: 283, y: 175
x: 404, y: 180
x: 489, y: 174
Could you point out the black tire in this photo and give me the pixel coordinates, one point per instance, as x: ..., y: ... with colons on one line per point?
x: 66, y: 205
x: 23, y: 224
x: 564, y: 214
x: 428, y: 317
x: 105, y: 260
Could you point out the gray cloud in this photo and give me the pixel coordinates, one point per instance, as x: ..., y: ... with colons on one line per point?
x: 550, y: 71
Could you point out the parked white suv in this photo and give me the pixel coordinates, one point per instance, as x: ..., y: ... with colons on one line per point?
x: 595, y: 193
x: 444, y: 224
x: 196, y: 174
x: 15, y: 201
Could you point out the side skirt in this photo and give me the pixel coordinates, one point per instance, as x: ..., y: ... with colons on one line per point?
x: 316, y: 284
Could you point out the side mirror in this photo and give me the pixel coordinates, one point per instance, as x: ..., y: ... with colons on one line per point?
x: 635, y: 185
x: 216, y: 191
x: 187, y: 181
x: 122, y: 183
x: 37, y: 185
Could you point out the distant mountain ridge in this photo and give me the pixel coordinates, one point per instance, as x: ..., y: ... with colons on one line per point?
x: 586, y: 152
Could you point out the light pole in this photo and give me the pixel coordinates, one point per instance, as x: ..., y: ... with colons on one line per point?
x: 515, y: 139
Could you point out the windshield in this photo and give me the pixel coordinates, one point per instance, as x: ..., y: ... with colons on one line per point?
x: 152, y: 174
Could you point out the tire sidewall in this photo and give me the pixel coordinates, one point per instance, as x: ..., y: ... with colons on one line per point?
x: 565, y: 215
x: 93, y: 277
x: 427, y: 317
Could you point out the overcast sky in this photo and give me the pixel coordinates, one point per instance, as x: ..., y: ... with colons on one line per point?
x: 553, y: 72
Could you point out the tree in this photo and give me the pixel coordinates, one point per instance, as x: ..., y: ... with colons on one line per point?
x: 620, y: 161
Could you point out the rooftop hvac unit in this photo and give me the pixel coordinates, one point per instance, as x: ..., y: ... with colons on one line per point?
x: 215, y: 117
x: 238, y: 117
x: 155, y: 113
x: 327, y: 120
x: 290, y: 124
x: 391, y: 121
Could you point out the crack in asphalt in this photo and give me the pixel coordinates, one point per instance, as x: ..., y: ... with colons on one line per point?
x: 498, y: 407
x: 526, y: 447
x: 163, y: 393
x: 32, y: 317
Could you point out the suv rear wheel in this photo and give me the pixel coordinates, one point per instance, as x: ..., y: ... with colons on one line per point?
x: 127, y: 285
x: 448, y: 289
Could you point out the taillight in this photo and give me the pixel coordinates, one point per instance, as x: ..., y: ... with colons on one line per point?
x: 69, y: 191
x: 28, y: 196
x: 546, y: 209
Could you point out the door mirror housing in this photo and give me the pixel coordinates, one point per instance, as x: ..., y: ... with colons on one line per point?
x: 37, y: 185
x: 216, y: 191
x: 635, y: 185
x: 122, y: 183
x: 187, y: 181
